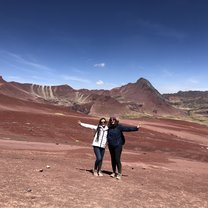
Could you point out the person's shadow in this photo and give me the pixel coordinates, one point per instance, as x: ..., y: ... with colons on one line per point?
x: 91, y: 171
x: 103, y: 171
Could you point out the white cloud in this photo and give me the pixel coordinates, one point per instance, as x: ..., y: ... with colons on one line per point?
x: 73, y: 78
x: 12, y: 78
x: 21, y: 79
x: 162, y: 30
x: 100, y: 82
x: 193, y: 81
x: 100, y: 65
x: 19, y: 59
x: 167, y: 73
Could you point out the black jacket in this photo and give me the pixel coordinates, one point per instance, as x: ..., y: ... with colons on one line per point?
x: 115, y: 136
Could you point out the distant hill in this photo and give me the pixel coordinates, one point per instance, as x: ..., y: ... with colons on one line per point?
x: 194, y: 102
x: 130, y: 100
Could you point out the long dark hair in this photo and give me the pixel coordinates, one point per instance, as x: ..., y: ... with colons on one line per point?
x: 98, y: 128
x: 100, y: 121
x: 116, y: 121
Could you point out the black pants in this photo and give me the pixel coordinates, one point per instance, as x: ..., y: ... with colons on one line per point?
x: 99, y: 153
x: 115, y: 153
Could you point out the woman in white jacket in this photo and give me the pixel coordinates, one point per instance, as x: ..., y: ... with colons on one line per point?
x: 99, y: 143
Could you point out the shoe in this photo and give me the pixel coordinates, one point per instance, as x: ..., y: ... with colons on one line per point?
x: 118, y: 177
x: 95, y: 173
x: 113, y: 175
x: 100, y: 173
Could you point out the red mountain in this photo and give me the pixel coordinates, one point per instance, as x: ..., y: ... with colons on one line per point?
x: 11, y: 90
x: 143, y: 97
x: 132, y: 99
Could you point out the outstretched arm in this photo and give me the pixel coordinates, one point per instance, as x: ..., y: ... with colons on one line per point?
x: 90, y: 126
x: 129, y: 128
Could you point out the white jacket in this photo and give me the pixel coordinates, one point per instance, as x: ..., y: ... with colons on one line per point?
x: 102, y: 140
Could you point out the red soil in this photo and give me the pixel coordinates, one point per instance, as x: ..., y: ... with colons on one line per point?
x: 164, y: 163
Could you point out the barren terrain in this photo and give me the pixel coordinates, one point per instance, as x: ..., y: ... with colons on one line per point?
x: 47, y: 159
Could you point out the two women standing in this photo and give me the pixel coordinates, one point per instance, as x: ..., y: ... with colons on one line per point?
x: 113, y: 135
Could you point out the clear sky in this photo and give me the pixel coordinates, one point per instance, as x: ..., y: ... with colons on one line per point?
x: 96, y: 44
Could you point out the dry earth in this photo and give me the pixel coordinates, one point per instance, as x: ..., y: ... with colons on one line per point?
x: 46, y: 161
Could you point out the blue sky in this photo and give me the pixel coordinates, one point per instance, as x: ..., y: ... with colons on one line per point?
x: 102, y: 44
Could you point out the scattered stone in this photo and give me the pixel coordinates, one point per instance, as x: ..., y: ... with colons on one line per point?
x: 41, y: 170
x: 77, y: 140
x: 47, y: 166
x: 60, y: 114
x: 29, y: 190
x: 6, y: 138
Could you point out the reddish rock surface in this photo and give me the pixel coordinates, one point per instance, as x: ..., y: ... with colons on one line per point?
x: 164, y: 164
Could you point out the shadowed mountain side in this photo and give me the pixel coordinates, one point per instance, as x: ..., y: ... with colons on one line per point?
x: 194, y: 102
x: 108, y: 106
x: 101, y: 105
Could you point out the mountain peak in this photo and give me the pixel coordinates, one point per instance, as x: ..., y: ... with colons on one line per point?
x: 143, y: 83
x: 1, y: 79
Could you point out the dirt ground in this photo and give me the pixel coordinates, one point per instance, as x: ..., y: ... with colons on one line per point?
x: 47, y: 159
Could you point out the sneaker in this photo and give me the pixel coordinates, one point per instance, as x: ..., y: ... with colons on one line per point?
x: 100, y: 173
x: 118, y: 177
x: 113, y: 175
x: 95, y: 173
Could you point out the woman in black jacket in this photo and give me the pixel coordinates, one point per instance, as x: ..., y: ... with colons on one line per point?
x: 115, y: 140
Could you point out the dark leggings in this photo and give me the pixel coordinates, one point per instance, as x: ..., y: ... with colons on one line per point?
x: 115, y: 153
x: 99, y: 153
